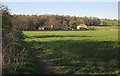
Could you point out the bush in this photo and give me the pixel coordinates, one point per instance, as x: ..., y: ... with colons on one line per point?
x: 13, y: 52
x: 92, y: 28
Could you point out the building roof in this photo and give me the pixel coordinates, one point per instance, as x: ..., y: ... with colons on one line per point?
x: 82, y: 25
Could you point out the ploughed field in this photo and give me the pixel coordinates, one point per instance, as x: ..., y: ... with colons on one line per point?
x: 78, y: 52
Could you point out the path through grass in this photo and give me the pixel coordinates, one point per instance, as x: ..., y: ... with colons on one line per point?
x: 77, y: 52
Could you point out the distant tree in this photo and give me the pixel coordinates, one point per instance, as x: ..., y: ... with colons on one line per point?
x: 96, y: 21
x: 73, y: 24
x: 64, y: 23
x: 31, y: 25
x: 32, y: 22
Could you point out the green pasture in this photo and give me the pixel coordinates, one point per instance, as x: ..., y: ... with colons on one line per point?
x: 79, y: 52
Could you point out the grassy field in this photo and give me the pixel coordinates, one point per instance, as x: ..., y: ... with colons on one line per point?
x: 78, y: 52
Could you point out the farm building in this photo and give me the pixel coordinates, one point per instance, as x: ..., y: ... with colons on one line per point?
x: 82, y: 27
x: 52, y: 27
x: 46, y: 27
x: 41, y: 28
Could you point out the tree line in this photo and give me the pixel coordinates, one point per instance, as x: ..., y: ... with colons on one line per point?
x: 33, y: 22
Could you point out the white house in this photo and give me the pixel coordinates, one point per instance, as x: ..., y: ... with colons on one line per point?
x: 82, y: 27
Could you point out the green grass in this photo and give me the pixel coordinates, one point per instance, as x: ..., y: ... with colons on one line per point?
x: 78, y: 52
